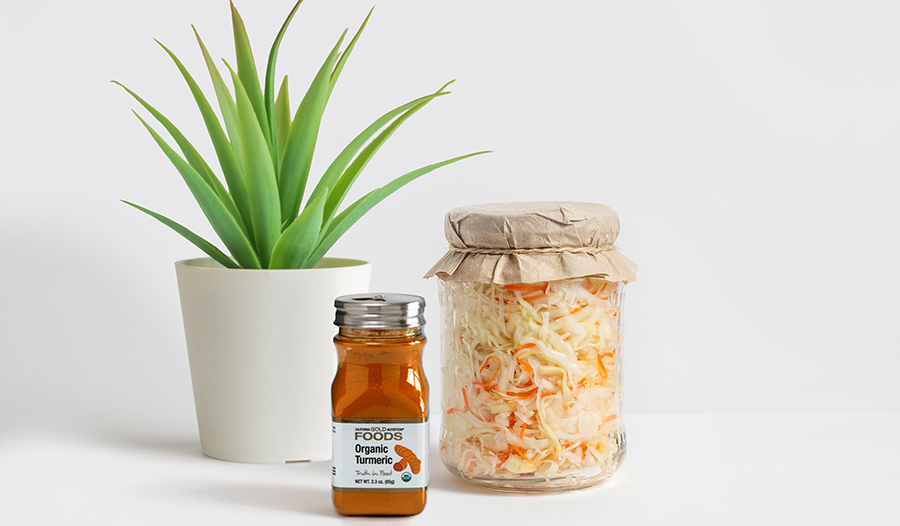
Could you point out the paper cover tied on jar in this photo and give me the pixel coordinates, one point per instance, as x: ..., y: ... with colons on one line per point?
x: 531, y: 297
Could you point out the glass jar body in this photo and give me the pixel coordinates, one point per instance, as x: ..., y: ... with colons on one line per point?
x: 380, y: 380
x: 532, y: 383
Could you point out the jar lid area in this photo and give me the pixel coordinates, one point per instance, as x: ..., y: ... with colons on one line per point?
x: 506, y: 243
x: 548, y: 224
x: 379, y: 311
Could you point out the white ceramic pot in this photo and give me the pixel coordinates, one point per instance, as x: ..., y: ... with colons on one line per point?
x: 262, y: 358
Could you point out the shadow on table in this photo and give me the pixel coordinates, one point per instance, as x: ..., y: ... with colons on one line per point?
x: 289, y: 498
x: 184, y: 445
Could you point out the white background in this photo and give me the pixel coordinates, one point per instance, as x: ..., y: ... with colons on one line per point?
x: 750, y: 149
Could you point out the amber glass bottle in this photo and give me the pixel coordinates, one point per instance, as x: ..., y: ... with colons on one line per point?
x: 380, y: 406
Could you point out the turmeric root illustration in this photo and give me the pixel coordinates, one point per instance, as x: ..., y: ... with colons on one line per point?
x: 407, y: 457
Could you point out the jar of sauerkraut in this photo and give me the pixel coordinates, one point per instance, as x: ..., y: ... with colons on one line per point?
x: 531, y: 297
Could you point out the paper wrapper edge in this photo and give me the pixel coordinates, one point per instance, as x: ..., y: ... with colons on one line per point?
x: 507, y: 269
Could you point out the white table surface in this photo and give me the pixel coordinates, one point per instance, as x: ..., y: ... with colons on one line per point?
x: 816, y: 469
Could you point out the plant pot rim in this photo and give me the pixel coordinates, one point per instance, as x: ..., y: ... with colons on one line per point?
x: 207, y: 264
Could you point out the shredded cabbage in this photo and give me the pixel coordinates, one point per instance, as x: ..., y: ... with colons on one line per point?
x: 531, y: 379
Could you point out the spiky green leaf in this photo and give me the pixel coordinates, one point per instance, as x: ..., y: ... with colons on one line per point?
x: 301, y: 142
x: 246, y: 67
x: 299, y: 240
x: 259, y: 174
x: 221, y: 220
x: 334, y: 171
x: 345, y: 55
x: 192, y: 156
x: 270, y: 83
x: 351, y: 215
x: 204, y: 245
x: 345, y: 182
x: 227, y: 160
x: 223, y: 96
x: 282, y: 122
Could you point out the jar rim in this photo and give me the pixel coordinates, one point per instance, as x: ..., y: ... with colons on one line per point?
x: 379, y: 311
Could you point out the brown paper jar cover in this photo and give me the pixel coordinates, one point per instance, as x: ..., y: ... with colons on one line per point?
x: 510, y: 243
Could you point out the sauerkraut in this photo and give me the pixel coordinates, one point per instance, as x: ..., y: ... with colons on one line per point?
x: 531, y: 380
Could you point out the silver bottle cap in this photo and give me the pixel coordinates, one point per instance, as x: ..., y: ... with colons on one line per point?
x: 379, y: 311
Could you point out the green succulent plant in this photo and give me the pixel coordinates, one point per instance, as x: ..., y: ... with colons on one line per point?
x: 265, y: 156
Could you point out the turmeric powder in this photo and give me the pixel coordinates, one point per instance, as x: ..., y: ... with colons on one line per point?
x: 380, y: 413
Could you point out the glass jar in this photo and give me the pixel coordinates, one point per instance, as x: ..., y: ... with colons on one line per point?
x: 532, y: 370
x: 380, y: 406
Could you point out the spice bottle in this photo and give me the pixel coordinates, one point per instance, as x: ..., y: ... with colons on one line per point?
x: 379, y: 402
x: 531, y: 295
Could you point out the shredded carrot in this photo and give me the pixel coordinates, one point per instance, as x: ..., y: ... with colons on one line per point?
x: 493, y: 376
x: 522, y: 432
x: 601, y: 366
x: 452, y: 410
x: 523, y: 394
x: 573, y: 311
x: 525, y: 365
x: 486, y: 362
x: 610, y: 418
x: 546, y: 394
x: 527, y: 345
x: 532, y: 299
x: 523, y: 457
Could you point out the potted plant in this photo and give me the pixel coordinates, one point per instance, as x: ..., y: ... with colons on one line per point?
x: 258, y: 318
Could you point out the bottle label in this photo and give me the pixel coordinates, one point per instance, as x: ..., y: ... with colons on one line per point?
x: 379, y: 456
